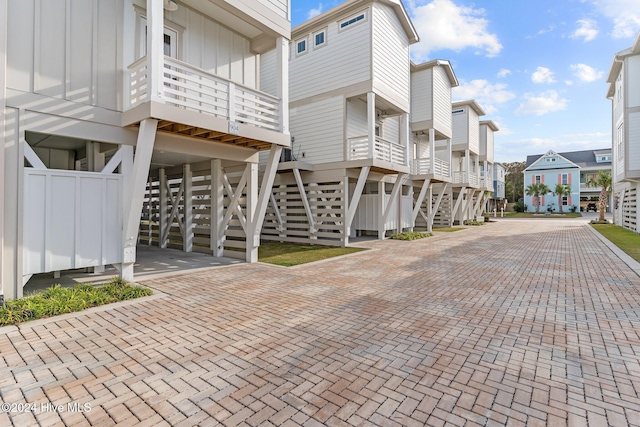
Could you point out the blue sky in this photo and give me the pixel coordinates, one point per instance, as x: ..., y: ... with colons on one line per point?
x: 537, y: 67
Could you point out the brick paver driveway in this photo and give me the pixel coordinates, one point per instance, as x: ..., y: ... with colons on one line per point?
x: 514, y: 323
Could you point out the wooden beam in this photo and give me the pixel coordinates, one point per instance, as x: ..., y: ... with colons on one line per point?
x: 351, y: 211
x: 454, y: 211
x: 397, y: 186
x: 235, y: 200
x: 418, y: 206
x: 436, y: 205
x: 187, y: 209
x: 265, y: 189
x: 217, y: 208
x: 32, y: 157
x: 305, y: 201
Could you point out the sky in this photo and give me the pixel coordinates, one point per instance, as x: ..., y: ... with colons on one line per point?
x: 538, y: 68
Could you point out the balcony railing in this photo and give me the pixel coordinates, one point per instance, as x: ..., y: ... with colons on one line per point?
x: 461, y: 178
x: 423, y: 167
x: 194, y: 89
x: 382, y: 150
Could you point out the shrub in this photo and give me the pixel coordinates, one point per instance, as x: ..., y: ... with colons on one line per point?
x: 468, y: 222
x: 519, y: 206
x: 411, y: 235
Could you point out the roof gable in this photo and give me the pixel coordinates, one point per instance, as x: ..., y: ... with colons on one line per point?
x: 549, y: 160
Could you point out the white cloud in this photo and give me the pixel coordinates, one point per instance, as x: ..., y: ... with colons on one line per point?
x: 585, y: 73
x: 503, y: 72
x: 587, y: 30
x: 624, y: 14
x: 314, y: 12
x: 542, y: 75
x: 442, y: 24
x: 546, y: 102
x: 486, y: 94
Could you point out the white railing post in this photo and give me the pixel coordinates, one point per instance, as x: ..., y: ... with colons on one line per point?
x: 371, y: 122
x: 231, y: 102
x: 155, y: 50
x: 282, y: 90
x: 432, y: 150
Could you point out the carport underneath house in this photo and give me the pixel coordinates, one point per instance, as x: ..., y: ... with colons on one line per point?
x: 84, y: 200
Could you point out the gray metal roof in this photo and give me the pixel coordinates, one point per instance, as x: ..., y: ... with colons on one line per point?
x: 584, y: 159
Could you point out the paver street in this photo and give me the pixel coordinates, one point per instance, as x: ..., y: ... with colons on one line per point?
x: 513, y: 323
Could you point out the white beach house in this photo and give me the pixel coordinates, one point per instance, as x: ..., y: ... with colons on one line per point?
x: 125, y: 113
x: 624, y: 93
x: 347, y: 172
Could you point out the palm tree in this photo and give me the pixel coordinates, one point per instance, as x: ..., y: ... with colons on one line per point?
x: 537, y: 190
x: 561, y: 191
x: 605, y: 182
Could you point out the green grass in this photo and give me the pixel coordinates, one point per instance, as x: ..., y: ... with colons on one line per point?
x: 626, y: 240
x: 448, y: 229
x: 541, y: 215
x: 411, y: 235
x: 290, y: 254
x: 58, y: 300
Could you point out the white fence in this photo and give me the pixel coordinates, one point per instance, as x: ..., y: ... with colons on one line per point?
x: 369, y: 212
x: 71, y: 220
x: 198, y: 90
x: 461, y: 178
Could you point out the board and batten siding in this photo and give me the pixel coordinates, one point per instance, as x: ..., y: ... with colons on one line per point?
x: 344, y: 60
x: 62, y: 50
x: 460, y: 122
x: 208, y: 44
x: 422, y: 96
x: 391, y: 129
x: 356, y: 118
x: 268, y: 72
x: 442, y: 102
x: 474, y: 131
x: 318, y: 131
x: 391, y: 74
x: 280, y: 7
x: 633, y: 83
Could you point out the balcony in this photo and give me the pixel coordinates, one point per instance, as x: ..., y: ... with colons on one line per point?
x: 423, y: 167
x: 387, y: 151
x: 242, y: 111
x: 461, y: 178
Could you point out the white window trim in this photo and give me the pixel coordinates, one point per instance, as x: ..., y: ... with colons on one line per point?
x: 313, y: 37
x: 537, y: 179
x: 354, y: 24
x: 306, y: 44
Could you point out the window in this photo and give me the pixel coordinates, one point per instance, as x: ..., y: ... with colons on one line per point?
x: 620, y: 141
x: 565, y: 201
x: 565, y: 179
x: 301, y: 47
x: 379, y: 130
x: 352, y: 21
x: 538, y: 179
x: 320, y: 39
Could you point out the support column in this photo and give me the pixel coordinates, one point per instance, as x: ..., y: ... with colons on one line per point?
x: 282, y: 84
x: 155, y: 50
x: 405, y: 134
x: 187, y: 237
x: 432, y: 150
x: 217, y: 208
x: 381, y: 206
x: 345, y: 226
x: 430, y: 214
x: 4, y: 284
x: 371, y: 122
x: 135, y: 178
x: 163, y: 207
x: 467, y: 165
x: 252, y: 204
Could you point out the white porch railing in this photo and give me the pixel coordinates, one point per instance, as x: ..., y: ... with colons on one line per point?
x: 194, y: 89
x: 461, y: 177
x: 382, y: 150
x: 423, y: 167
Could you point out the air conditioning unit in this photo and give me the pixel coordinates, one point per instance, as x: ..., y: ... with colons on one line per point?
x: 287, y: 155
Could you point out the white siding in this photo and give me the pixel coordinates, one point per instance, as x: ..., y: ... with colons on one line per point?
x: 343, y: 61
x: 322, y: 140
x: 442, y: 101
x: 460, y: 123
x: 280, y: 7
x: 268, y: 77
x: 474, y: 131
x: 633, y: 126
x: 422, y: 147
x: 78, y: 62
x: 391, y: 73
x: 356, y: 118
x: 633, y: 83
x: 422, y: 96
x: 210, y: 45
x: 391, y: 129
x: 490, y: 138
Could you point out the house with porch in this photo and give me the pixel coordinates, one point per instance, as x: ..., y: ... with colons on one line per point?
x: 497, y: 201
x: 347, y: 172
x: 624, y: 93
x: 572, y: 168
x: 137, y: 122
